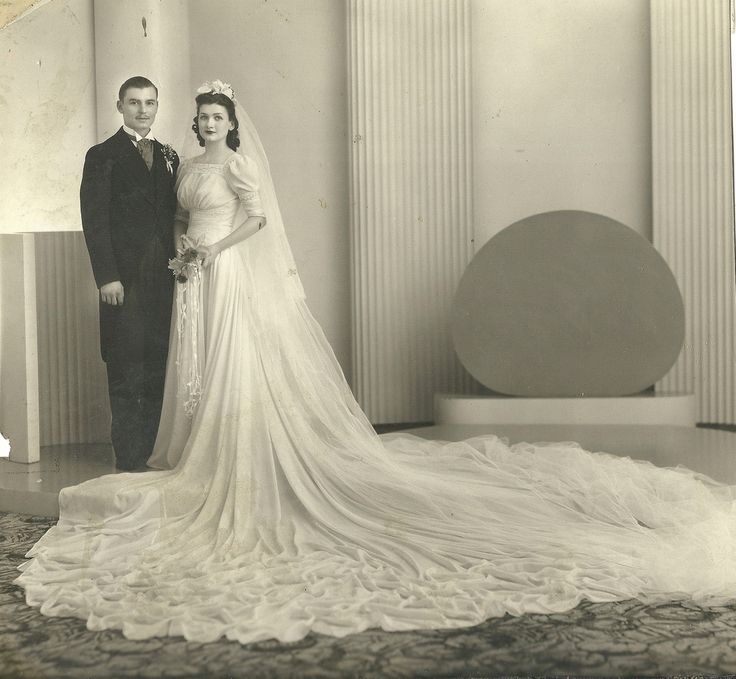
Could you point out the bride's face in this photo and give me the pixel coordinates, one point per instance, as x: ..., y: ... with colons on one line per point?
x: 214, y: 122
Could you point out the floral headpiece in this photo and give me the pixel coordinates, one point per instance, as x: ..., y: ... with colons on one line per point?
x: 217, y: 87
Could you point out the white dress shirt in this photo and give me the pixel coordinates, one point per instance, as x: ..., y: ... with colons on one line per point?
x: 137, y: 136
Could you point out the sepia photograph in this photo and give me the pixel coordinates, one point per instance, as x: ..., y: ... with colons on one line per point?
x: 367, y: 339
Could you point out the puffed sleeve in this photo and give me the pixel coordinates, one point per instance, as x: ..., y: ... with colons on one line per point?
x: 241, y: 174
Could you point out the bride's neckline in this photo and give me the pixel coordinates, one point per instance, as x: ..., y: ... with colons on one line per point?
x: 193, y: 161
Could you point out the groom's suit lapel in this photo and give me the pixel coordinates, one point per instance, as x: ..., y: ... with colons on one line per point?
x: 159, y: 173
x: 132, y: 164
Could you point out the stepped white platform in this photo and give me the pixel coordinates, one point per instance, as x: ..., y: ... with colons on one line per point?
x: 646, y: 408
x: 34, y: 488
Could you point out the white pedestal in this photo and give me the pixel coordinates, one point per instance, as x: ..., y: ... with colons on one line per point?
x: 19, y: 419
x: 662, y: 409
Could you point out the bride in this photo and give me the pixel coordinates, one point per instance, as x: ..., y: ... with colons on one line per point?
x: 275, y: 509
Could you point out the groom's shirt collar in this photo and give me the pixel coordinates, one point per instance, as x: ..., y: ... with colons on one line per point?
x: 134, y: 136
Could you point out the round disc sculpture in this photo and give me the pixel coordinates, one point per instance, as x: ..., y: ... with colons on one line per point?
x: 568, y: 303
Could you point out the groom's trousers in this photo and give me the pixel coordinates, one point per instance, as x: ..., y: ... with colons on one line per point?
x: 136, y: 393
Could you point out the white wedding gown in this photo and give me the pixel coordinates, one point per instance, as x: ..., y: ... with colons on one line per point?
x: 278, y: 510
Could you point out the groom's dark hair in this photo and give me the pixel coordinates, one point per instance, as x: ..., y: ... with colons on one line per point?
x: 136, y: 81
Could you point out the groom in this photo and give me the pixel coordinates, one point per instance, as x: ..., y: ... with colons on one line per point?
x: 127, y: 203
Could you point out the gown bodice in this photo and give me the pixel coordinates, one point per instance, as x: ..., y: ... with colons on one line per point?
x: 209, y: 195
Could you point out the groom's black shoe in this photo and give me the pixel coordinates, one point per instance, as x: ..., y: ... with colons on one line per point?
x: 135, y: 390
x: 122, y: 466
x: 142, y: 468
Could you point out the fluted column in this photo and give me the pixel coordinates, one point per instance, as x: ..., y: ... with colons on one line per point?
x: 409, y: 73
x: 73, y: 397
x: 693, y: 192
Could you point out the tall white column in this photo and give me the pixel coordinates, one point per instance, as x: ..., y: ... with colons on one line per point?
x: 693, y: 216
x: 148, y: 38
x: 409, y: 71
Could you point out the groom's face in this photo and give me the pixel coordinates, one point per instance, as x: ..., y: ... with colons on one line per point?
x: 139, y: 106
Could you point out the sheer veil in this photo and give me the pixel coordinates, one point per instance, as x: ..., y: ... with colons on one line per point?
x: 270, y: 256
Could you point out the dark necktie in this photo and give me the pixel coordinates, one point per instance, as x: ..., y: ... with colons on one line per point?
x: 145, y: 147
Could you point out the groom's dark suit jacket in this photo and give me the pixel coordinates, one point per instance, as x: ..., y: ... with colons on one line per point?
x: 127, y: 217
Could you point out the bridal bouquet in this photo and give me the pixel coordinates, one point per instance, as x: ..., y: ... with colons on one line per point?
x: 186, y: 263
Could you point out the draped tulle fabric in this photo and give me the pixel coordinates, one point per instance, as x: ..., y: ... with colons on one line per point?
x: 277, y: 510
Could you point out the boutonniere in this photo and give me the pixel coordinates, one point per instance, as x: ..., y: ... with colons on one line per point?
x: 169, y: 157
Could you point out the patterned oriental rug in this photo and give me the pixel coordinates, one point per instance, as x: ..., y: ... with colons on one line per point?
x: 593, y: 640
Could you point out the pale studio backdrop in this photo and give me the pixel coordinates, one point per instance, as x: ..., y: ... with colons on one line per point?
x: 560, y: 111
x: 288, y: 61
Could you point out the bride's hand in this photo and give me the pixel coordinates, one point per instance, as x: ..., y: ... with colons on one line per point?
x: 184, y: 243
x: 207, y: 253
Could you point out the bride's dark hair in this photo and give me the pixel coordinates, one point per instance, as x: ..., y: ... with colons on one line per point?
x: 233, y: 139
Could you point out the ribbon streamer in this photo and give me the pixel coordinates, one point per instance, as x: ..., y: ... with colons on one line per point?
x: 187, y: 327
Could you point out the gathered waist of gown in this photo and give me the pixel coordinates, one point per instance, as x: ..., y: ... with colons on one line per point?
x: 212, y: 224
